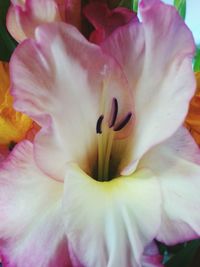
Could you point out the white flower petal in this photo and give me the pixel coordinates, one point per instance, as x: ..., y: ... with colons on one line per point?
x: 31, y: 228
x: 156, y: 56
x: 106, y: 222
x: 177, y: 165
x: 66, y: 91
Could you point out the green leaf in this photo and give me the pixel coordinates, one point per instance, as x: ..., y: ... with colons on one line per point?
x: 181, y: 7
x: 184, y: 256
x: 7, y: 43
x: 197, y: 60
x: 130, y: 4
x: 135, y: 5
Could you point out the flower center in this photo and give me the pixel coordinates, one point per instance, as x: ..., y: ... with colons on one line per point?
x: 106, y: 131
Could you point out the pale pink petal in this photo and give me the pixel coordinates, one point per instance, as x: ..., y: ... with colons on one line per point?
x: 1, y: 155
x: 66, y: 91
x: 23, y: 19
x: 177, y: 165
x: 31, y: 229
x: 156, y: 56
x: 105, y: 20
x: 18, y: 2
x: 13, y: 24
x: 106, y: 222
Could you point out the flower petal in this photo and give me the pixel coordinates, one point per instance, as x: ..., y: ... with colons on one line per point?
x: 151, y: 256
x: 177, y: 165
x: 157, y: 62
x: 31, y: 229
x: 13, y: 24
x: 110, y: 217
x: 23, y: 19
x: 66, y: 91
x: 105, y: 20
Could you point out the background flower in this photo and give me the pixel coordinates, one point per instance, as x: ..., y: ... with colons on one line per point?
x: 14, y: 125
x: 24, y: 16
x: 192, y: 121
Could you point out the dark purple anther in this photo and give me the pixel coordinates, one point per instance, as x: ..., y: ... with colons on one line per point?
x: 114, y: 112
x: 98, y: 125
x: 123, y: 123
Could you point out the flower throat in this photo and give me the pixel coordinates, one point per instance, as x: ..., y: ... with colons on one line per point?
x: 106, y: 135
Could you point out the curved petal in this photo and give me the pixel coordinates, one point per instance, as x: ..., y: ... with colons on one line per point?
x: 157, y: 62
x: 66, y: 91
x: 151, y: 256
x: 110, y: 217
x: 13, y: 24
x: 105, y: 20
x: 23, y: 19
x: 177, y: 165
x: 31, y: 229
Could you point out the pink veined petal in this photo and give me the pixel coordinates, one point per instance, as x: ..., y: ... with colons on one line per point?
x: 177, y: 165
x: 110, y: 217
x: 31, y: 229
x: 157, y: 62
x: 105, y: 20
x: 23, y: 19
x: 66, y: 91
x: 151, y: 256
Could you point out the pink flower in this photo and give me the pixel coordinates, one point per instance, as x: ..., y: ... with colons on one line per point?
x: 106, y: 21
x: 25, y: 15
x: 112, y: 168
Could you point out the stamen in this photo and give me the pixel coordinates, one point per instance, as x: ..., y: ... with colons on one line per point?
x: 98, y: 125
x: 113, y: 113
x: 123, y: 123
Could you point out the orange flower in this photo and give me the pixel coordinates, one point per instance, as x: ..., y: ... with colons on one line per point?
x: 192, y: 121
x: 14, y: 126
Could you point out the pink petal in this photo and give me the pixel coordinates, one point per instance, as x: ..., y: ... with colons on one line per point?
x: 13, y: 24
x: 156, y: 56
x: 105, y: 20
x: 151, y: 256
x: 106, y: 222
x: 177, y: 165
x: 66, y: 91
x: 23, y: 19
x: 31, y: 229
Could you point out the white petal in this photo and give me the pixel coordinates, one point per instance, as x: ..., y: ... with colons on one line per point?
x: 31, y: 229
x: 177, y: 165
x: 106, y: 222
x: 66, y: 91
x: 156, y: 56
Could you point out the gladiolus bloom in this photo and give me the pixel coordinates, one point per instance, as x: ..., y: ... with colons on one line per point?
x: 112, y: 168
